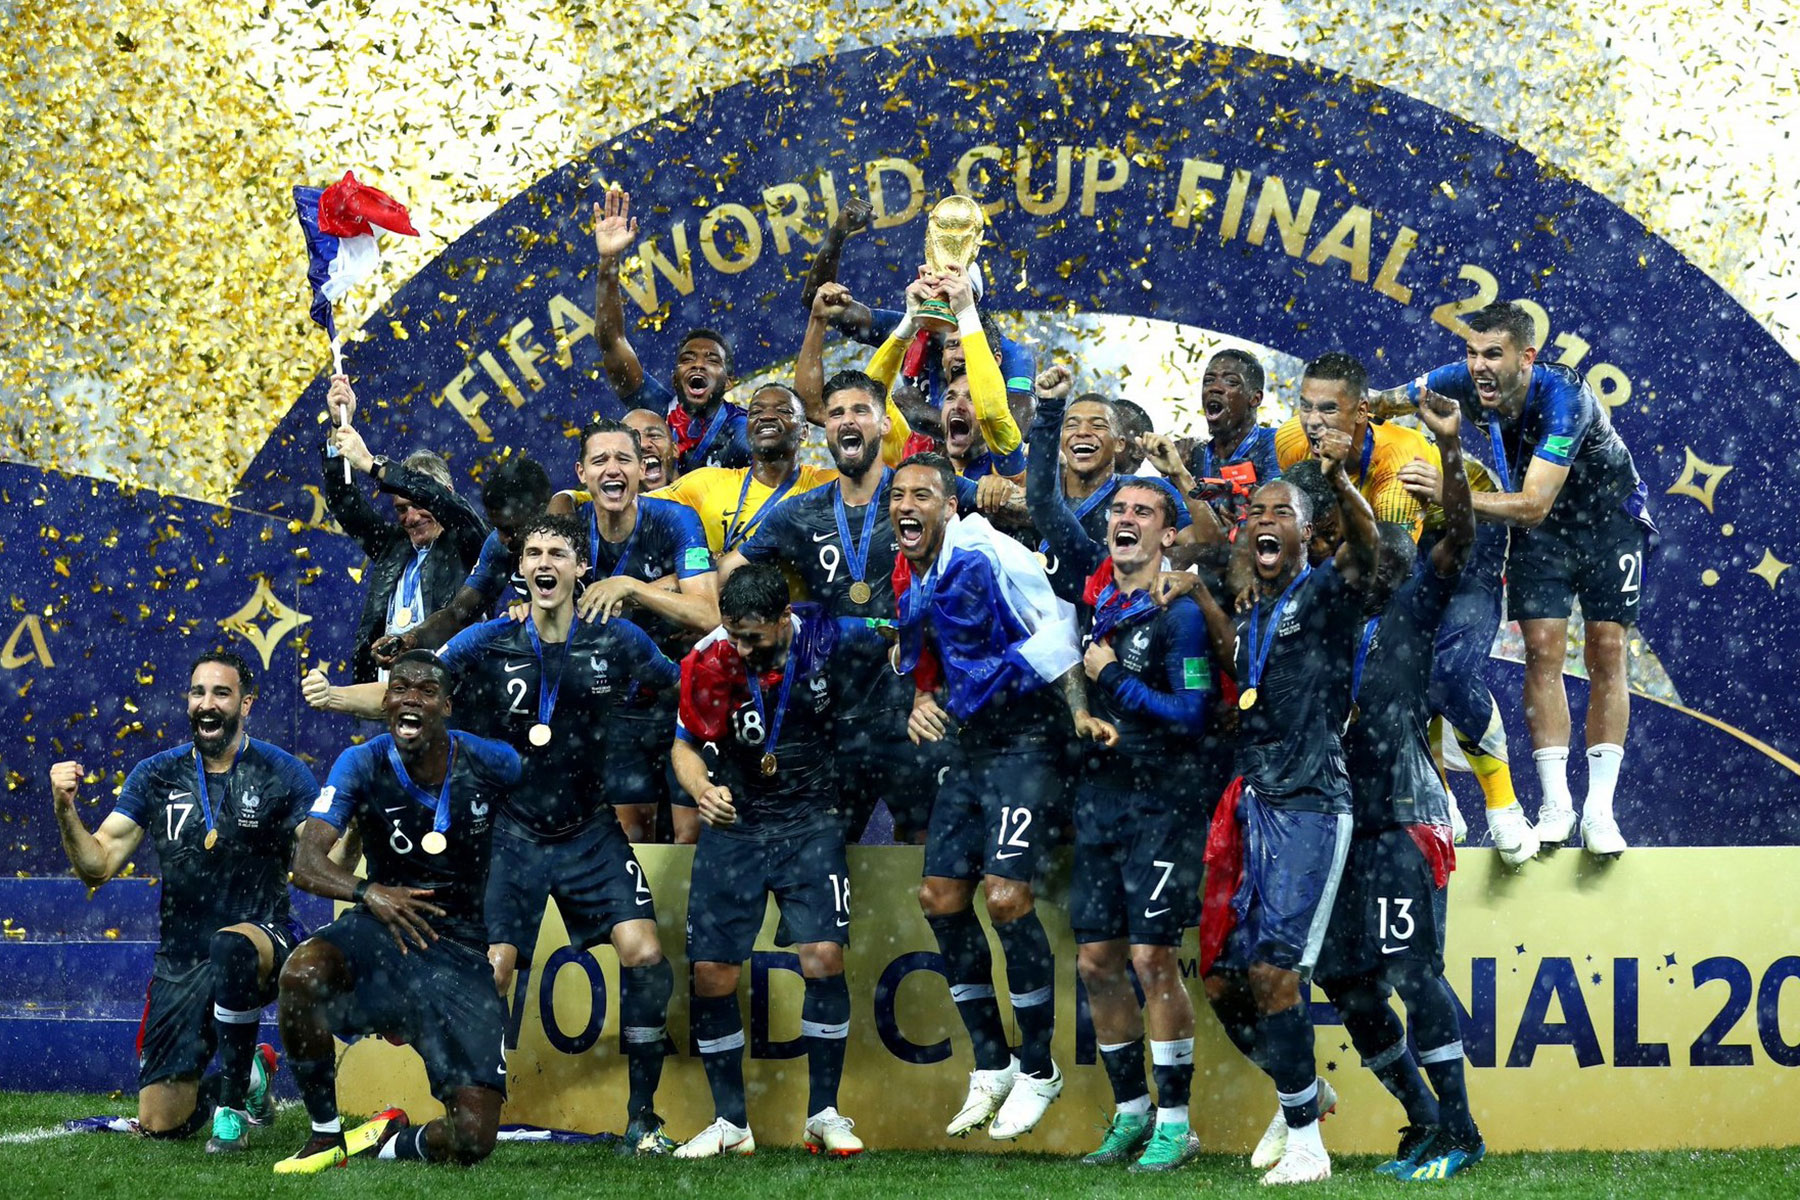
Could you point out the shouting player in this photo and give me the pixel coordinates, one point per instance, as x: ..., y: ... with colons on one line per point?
x: 979, y: 621
x: 410, y: 959
x: 760, y: 690
x: 221, y: 811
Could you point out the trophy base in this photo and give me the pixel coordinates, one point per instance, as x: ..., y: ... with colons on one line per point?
x: 936, y: 316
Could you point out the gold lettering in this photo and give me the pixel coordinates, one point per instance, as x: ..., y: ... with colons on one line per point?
x: 568, y: 325
x: 1192, y: 200
x: 963, y: 178
x: 1093, y: 183
x: 11, y: 659
x: 1272, y: 201
x: 750, y: 242
x: 1059, y: 195
x: 468, y: 407
x: 1348, y: 242
x: 915, y: 182
x: 524, y: 352
x: 321, y: 513
x: 1234, y: 205
x: 651, y: 260
x: 784, y: 219
x: 828, y: 189
x: 498, y: 374
x: 1387, y: 280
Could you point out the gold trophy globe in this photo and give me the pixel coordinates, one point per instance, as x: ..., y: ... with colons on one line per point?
x: 952, y: 239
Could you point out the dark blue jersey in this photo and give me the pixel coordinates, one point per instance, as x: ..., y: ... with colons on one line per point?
x: 500, y: 695
x: 721, y: 441
x: 496, y: 573
x: 1158, y: 695
x: 395, y: 819
x: 1288, y: 747
x: 666, y: 539
x: 1564, y: 424
x: 254, y: 809
x: 1393, y: 780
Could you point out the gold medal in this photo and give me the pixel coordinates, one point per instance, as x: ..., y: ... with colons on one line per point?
x: 1355, y: 713
x: 1247, y: 698
x: 860, y: 592
x: 539, y: 735
x: 434, y: 842
x: 212, y: 838
x: 768, y: 764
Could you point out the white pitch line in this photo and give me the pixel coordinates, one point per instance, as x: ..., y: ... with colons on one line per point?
x: 34, y: 1135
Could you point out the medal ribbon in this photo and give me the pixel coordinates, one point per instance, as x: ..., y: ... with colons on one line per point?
x: 594, y: 540
x: 772, y: 723
x: 1502, y: 466
x: 1261, y: 637
x: 409, y: 591
x: 200, y: 779
x: 548, y: 687
x: 1113, y: 609
x: 1242, y: 451
x: 1362, y: 655
x: 441, y: 822
x: 857, y: 561
x: 694, y: 448
x: 739, y: 528
x: 1103, y: 492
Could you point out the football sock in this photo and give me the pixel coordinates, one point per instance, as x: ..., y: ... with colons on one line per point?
x: 1124, y: 1063
x: 318, y: 1088
x: 1380, y: 1039
x: 970, y: 969
x: 719, y: 1033
x: 1432, y: 1012
x: 236, y: 1014
x: 1031, y: 977
x: 1553, y: 777
x: 1236, y: 1011
x: 1284, y: 1045
x: 1172, y: 1063
x: 825, y: 1025
x: 643, y: 1013
x: 1603, y: 776
x: 408, y: 1145
x: 1487, y: 759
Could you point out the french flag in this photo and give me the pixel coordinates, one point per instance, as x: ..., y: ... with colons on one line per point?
x: 341, y: 223
x: 1000, y: 629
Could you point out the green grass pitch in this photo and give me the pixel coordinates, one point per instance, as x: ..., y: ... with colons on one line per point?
x: 39, y: 1165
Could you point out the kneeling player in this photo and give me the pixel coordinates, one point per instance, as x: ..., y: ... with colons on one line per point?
x: 411, y: 958
x: 1387, y: 931
x: 229, y: 804
x: 1140, y: 829
x: 760, y: 690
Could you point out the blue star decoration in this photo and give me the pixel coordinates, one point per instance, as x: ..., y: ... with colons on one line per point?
x: 1668, y: 960
x: 1596, y: 977
x: 1520, y: 948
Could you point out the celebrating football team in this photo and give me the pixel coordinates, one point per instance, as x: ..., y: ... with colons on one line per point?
x: 1222, y: 688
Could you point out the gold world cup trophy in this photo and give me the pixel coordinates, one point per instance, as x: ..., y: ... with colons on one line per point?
x: 952, y: 239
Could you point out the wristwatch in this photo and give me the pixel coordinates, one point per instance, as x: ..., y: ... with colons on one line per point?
x: 377, y: 465
x: 362, y: 889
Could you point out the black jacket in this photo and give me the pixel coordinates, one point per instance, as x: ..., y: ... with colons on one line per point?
x: 451, y: 557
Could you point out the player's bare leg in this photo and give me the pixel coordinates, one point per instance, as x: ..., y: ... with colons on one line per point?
x: 1547, y: 716
x: 316, y: 973
x: 1119, y: 1030
x: 1608, y: 717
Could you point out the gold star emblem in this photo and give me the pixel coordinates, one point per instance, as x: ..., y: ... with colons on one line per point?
x: 1699, y: 468
x: 264, y: 603
x: 1770, y: 568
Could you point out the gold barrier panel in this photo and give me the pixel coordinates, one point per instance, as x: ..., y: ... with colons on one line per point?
x: 1639, y: 1005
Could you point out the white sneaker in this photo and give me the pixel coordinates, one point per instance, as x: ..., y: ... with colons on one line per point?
x: 987, y: 1092
x: 1459, y: 828
x: 1554, y: 823
x: 1600, y: 836
x: 1273, y: 1145
x: 1300, y: 1163
x: 1512, y: 835
x: 721, y: 1137
x: 828, y: 1132
x: 1026, y: 1105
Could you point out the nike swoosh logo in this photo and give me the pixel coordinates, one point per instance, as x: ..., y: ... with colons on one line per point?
x: 1387, y: 949
x: 180, y: 795
x: 510, y: 667
x: 1004, y: 857
x: 819, y: 537
x: 1150, y: 915
x: 644, y: 901
x: 842, y: 921
x: 391, y: 811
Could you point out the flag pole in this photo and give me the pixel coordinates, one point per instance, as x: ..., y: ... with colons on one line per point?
x: 337, y: 368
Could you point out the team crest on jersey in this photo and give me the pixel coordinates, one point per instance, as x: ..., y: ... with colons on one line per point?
x: 249, y: 809
x: 1137, y: 649
x: 821, y: 698
x: 1290, y: 617
x: 601, y: 685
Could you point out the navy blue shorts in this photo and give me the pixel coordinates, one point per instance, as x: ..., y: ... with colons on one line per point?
x: 1465, y: 638
x: 807, y: 873
x: 637, y: 757
x: 878, y: 762
x: 1138, y: 863
x: 1389, y: 908
x: 177, y: 1034
x: 1292, y: 864
x: 440, y: 1000
x: 1601, y: 564
x: 998, y: 813
x: 594, y: 878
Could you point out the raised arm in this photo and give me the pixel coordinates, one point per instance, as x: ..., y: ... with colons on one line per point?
x: 1356, y: 558
x: 1444, y: 419
x: 852, y: 318
x: 987, y: 386
x: 357, y: 699
x: 615, y: 230
x: 1077, y: 555
x: 98, y: 856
